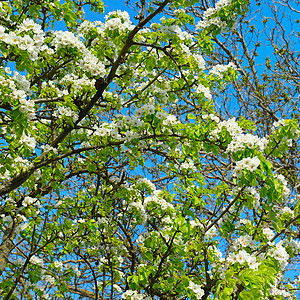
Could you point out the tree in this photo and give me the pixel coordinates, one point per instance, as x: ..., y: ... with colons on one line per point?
x: 124, y: 171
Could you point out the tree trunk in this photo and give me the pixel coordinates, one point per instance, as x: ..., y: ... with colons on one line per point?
x: 7, y: 245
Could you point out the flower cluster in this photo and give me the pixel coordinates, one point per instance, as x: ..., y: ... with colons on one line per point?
x: 47, y: 148
x: 246, y: 163
x: 279, y: 253
x: 210, y: 15
x: 170, y: 120
x: 21, y: 163
x: 188, y: 165
x: 278, y: 123
x: 171, y: 29
x: 49, y: 279
x: 6, y: 174
x: 85, y: 27
x: 147, y: 182
x: 27, y: 107
x: 30, y: 42
x: 201, y: 89
x: 58, y: 265
x: 196, y: 288
x: 67, y: 39
x: 90, y: 63
x: 231, y: 126
x: 134, y: 295
x: 131, y: 124
x: 29, y: 141
x: 268, y: 232
x: 217, y: 252
x: 21, y: 82
x: 219, y: 70
x: 72, y: 267
x: 241, y: 141
x: 77, y: 83
x: 140, y: 208
x: 200, y: 61
x: 292, y: 244
x: 145, y: 108
x: 11, y: 93
x: 29, y: 201
x: 280, y: 292
x: 184, y: 35
x: 244, y: 241
x: 243, y: 256
x: 212, y: 117
x: 37, y: 261
x: 156, y: 198
x: 66, y: 112
x: 117, y: 20
x: 133, y: 120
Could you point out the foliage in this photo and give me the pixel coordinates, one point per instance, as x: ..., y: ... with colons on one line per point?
x: 123, y: 174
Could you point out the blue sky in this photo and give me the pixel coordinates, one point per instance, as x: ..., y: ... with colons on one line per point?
x: 109, y: 6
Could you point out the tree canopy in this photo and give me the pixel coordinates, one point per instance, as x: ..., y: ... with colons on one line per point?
x: 152, y: 153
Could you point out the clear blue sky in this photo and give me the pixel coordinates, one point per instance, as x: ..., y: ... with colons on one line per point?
x: 109, y: 5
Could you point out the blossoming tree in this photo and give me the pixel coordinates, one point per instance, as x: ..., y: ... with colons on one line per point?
x: 119, y: 176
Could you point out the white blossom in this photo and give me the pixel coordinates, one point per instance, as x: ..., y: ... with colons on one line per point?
x: 246, y: 163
